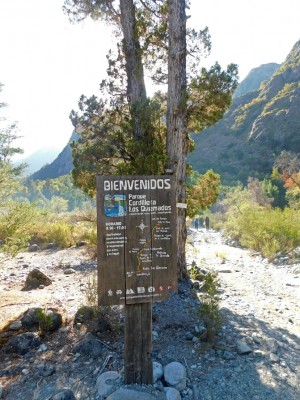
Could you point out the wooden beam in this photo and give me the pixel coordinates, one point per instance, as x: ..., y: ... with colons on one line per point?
x: 138, y: 344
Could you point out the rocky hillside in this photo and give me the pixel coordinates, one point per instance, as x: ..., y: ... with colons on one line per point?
x: 62, y: 165
x: 255, y: 78
x: 258, y: 126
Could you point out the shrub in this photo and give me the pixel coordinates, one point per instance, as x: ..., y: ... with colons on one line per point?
x: 15, y: 225
x: 209, y: 308
x: 60, y: 233
x: 268, y: 231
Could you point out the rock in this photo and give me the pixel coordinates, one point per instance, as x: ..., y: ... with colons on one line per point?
x: 25, y: 371
x: 21, y: 344
x: 92, y: 319
x: 33, y: 248
x: 274, y: 358
x: 272, y: 345
x: 1, y: 392
x: 81, y: 243
x: 104, y: 388
x: 49, y: 246
x: 30, y: 320
x: 69, y: 271
x: 89, y: 346
x: 256, y: 338
x: 172, y: 393
x: 63, y: 394
x: 127, y: 394
x: 175, y: 375
x: 227, y: 355
x: 242, y: 347
x: 44, y: 370
x: 36, y: 278
x: 43, y: 347
x: 158, y: 371
x: 15, y: 326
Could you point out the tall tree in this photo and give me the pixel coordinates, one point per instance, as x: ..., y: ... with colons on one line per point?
x: 177, y: 133
x: 127, y: 134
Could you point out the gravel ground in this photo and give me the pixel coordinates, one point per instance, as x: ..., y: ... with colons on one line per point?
x: 260, y: 305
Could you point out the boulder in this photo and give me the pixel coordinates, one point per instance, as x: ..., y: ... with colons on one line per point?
x: 35, y: 278
x: 175, y: 375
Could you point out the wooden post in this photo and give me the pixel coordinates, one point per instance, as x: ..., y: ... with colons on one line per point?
x: 136, y: 258
x: 138, y: 344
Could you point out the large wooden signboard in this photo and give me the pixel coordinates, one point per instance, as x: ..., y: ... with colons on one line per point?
x: 136, y: 239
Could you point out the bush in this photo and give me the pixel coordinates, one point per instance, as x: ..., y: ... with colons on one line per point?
x: 268, y: 231
x: 59, y: 233
x: 209, y: 308
x: 15, y: 226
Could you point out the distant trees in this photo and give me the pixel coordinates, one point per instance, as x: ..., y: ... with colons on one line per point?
x: 202, y: 192
x: 9, y: 174
x: 125, y: 132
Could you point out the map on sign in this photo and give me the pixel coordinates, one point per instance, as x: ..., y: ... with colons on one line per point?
x: 136, y: 228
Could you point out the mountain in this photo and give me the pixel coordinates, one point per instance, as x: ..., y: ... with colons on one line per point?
x: 259, y: 125
x: 62, y: 165
x: 255, y: 78
x: 37, y: 159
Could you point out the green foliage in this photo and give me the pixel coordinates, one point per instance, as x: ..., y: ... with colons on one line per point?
x: 16, y: 223
x: 54, y: 195
x: 91, y: 290
x: 108, y: 144
x: 59, y: 233
x: 202, y: 192
x: 209, y: 308
x: 268, y: 231
x: 45, y: 320
x: 194, y: 272
x: 210, y: 95
x: 9, y: 174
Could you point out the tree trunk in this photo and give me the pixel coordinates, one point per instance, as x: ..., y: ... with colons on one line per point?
x: 136, y: 89
x: 177, y: 136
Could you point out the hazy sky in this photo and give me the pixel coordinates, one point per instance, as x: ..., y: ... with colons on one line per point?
x: 47, y: 63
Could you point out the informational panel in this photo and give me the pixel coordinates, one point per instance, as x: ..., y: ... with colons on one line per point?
x: 136, y: 239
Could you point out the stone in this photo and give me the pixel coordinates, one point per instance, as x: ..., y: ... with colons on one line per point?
x: 69, y: 271
x: 227, y: 355
x: 127, y: 394
x: 36, y: 278
x: 106, y: 388
x: 256, y: 338
x: 175, y: 375
x: 49, y: 246
x: 44, y: 370
x: 93, y: 320
x: 81, y: 243
x: 89, y: 346
x: 274, y: 358
x: 272, y: 345
x: 158, y: 371
x: 15, y: 326
x: 63, y: 394
x: 242, y: 347
x: 30, y: 320
x: 21, y: 344
x: 172, y: 393
x: 33, y: 248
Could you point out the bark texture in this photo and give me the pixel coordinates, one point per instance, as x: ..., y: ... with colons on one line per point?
x: 136, y: 89
x: 177, y: 135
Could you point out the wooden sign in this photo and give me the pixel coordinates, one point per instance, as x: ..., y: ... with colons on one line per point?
x: 136, y: 239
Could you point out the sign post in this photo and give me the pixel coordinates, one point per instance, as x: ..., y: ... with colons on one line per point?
x: 136, y: 258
